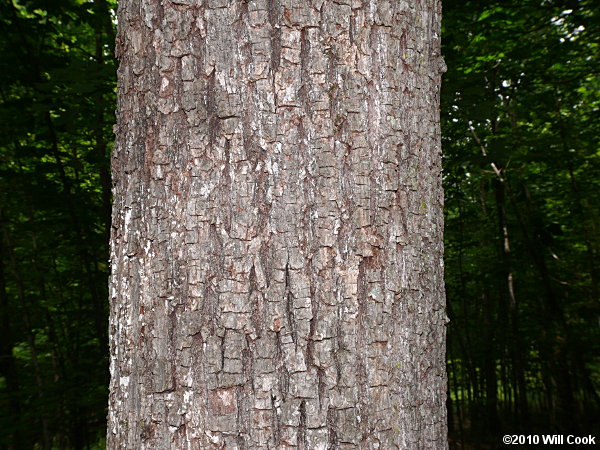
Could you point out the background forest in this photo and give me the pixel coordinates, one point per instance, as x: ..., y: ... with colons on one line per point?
x: 520, y: 125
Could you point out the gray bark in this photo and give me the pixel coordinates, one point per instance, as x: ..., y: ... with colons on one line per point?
x: 277, y: 275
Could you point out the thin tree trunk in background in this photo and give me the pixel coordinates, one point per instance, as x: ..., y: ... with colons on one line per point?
x: 8, y: 366
x: 490, y: 377
x: 510, y: 310
x: 554, y: 350
x: 276, y: 246
x: 589, y: 228
x: 25, y: 308
x: 81, y: 230
x: 589, y: 220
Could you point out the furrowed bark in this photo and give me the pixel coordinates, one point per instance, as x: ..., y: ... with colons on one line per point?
x: 276, y: 248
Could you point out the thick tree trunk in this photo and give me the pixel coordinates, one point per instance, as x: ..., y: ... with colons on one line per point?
x: 277, y: 275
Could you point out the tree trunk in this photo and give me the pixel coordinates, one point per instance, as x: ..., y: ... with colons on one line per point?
x: 10, y: 392
x: 277, y: 276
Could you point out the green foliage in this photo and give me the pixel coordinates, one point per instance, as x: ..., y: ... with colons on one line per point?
x: 520, y: 124
x: 57, y: 81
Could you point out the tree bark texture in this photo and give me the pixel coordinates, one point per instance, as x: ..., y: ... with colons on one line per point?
x: 277, y: 275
